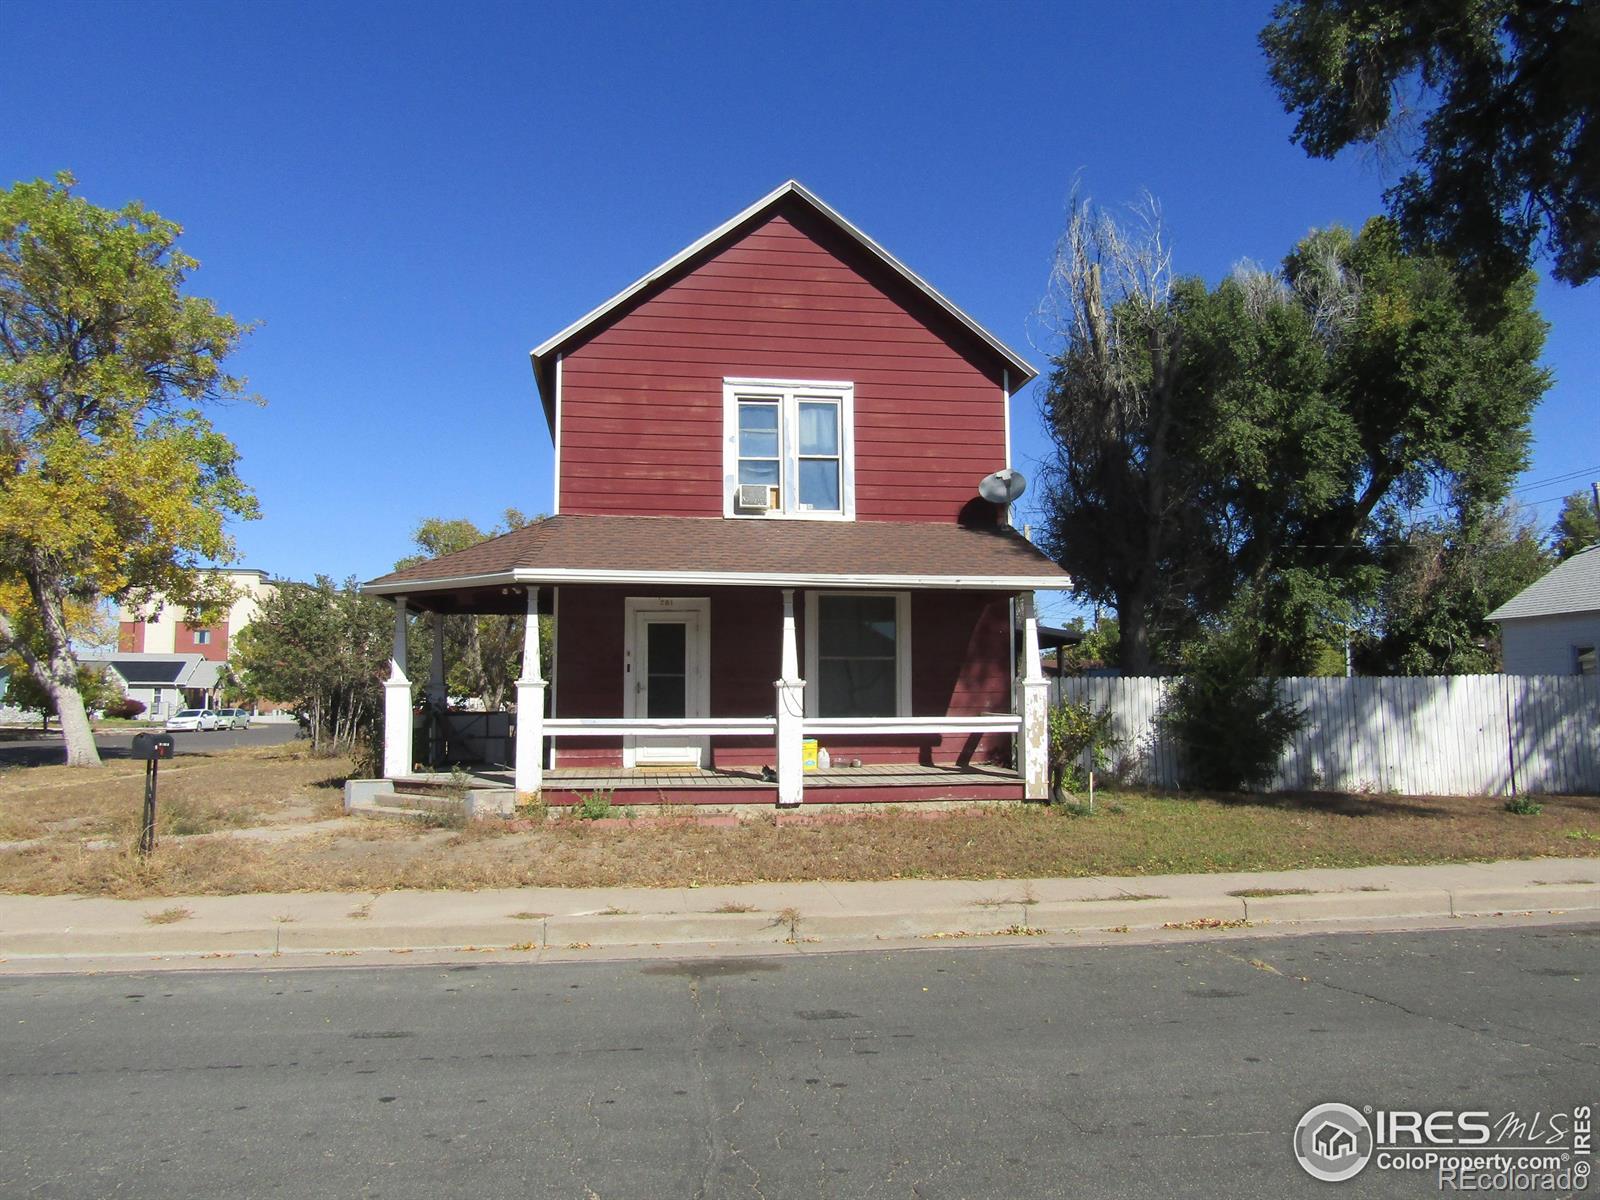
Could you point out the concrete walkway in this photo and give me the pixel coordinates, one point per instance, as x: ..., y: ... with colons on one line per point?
x: 36, y: 930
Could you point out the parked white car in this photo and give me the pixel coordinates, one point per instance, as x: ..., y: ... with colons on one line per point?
x: 193, y: 720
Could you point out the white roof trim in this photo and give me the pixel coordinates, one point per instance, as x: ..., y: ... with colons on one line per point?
x: 558, y: 575
x: 793, y: 187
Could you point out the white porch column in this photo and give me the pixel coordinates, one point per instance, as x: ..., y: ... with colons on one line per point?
x: 1035, y: 692
x: 791, y: 697
x: 530, y: 705
x: 436, y: 688
x: 397, y: 758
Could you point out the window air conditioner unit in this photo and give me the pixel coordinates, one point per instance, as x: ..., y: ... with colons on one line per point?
x: 758, y: 497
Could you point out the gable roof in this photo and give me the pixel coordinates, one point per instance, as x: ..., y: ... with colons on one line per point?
x: 1572, y: 587
x: 544, y: 355
x: 697, y: 551
x: 151, y: 669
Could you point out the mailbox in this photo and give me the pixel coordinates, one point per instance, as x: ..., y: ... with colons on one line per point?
x: 150, y: 746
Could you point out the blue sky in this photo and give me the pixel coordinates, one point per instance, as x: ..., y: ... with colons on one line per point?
x: 408, y: 197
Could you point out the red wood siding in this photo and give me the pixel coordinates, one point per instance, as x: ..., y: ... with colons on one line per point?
x: 641, y: 401
x: 961, y: 666
x: 640, y: 797
x: 130, y: 637
x: 216, y: 650
x: 588, y: 669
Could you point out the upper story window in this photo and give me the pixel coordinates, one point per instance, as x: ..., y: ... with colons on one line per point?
x: 788, y: 449
x: 202, y: 637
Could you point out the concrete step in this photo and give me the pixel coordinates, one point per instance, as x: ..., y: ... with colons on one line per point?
x: 407, y: 801
x: 435, y: 785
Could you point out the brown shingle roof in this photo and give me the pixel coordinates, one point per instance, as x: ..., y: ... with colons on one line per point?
x: 703, y: 549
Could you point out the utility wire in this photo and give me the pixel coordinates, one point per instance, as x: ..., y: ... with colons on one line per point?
x: 1534, y: 485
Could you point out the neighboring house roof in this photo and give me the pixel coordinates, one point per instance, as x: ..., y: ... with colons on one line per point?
x: 1059, y: 635
x: 162, y: 670
x: 695, y: 551
x: 1572, y: 587
x: 544, y: 355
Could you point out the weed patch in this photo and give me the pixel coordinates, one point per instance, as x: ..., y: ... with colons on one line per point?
x: 593, y: 806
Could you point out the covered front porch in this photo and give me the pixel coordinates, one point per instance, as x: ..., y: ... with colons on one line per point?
x: 711, y: 685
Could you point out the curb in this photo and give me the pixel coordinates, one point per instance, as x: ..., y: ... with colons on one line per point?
x: 1476, y: 902
x: 771, y: 929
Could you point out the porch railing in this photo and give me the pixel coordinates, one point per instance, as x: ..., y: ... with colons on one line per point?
x: 596, y: 727
x: 562, y: 727
x: 839, y: 726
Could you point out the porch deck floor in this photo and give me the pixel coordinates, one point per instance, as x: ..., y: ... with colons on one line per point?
x: 868, y: 775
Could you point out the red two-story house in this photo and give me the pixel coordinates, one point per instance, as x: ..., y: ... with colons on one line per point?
x: 767, y: 533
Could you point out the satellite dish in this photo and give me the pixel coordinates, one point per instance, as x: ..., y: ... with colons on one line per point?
x: 1004, y: 486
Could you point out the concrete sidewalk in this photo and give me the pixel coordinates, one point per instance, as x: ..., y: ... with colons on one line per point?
x: 35, y: 929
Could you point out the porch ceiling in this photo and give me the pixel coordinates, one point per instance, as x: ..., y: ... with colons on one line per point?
x: 507, y: 599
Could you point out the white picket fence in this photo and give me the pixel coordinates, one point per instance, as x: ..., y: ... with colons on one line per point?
x: 1451, y: 735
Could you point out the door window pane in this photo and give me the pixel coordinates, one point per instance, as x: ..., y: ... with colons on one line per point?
x: 666, y: 678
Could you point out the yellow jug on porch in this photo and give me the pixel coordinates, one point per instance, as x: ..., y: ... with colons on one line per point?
x: 808, y: 754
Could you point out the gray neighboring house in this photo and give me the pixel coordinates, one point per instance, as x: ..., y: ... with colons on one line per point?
x: 1553, y: 626
x: 164, y: 683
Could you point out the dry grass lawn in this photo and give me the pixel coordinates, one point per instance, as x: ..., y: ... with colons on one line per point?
x: 60, y: 811
x: 198, y: 793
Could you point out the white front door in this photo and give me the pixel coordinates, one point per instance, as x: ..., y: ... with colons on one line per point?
x: 666, y: 675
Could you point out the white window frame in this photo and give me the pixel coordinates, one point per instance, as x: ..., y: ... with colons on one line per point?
x: 788, y: 393
x: 202, y: 637
x: 902, y: 648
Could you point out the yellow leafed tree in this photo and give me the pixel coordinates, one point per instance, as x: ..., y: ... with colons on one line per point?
x: 113, y: 484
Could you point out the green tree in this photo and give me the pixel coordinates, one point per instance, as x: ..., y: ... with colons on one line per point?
x: 97, y: 687
x: 1231, y: 726
x: 1509, y: 146
x: 1232, y: 455
x: 1099, y: 647
x: 1442, y: 580
x: 1576, y: 528
x: 1404, y: 396
x: 112, y: 482
x: 323, y: 650
x: 1119, y: 491
x: 483, y: 653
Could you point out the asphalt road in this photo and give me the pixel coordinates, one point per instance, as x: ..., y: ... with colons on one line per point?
x: 43, y: 751
x: 1149, y: 1071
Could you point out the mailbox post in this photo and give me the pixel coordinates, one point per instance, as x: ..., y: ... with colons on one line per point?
x: 152, y: 747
